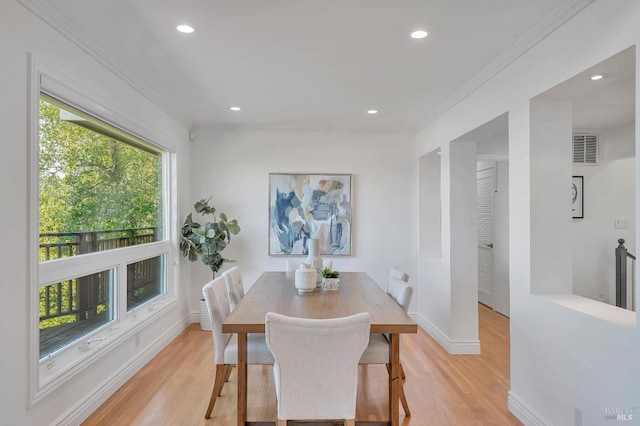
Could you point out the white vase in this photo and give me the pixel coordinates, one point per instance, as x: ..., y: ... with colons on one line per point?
x: 314, y: 259
x: 305, y: 279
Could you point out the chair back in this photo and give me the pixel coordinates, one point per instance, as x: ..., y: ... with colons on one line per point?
x: 396, y: 273
x: 235, y: 288
x: 401, y: 292
x: 216, y: 296
x: 316, y: 364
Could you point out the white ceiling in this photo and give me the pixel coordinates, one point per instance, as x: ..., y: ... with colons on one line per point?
x: 307, y: 64
x: 596, y: 105
x: 599, y: 105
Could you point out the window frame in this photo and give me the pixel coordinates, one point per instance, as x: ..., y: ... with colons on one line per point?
x: 53, y: 371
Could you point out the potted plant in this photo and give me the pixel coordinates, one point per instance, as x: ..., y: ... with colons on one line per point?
x: 209, y: 239
x: 206, y: 241
x: 330, y: 279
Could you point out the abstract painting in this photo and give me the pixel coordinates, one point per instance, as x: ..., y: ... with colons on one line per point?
x: 304, y: 206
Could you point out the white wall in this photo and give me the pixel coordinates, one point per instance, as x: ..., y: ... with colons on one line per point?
x: 463, y: 253
x: 434, y: 260
x: 234, y: 168
x: 430, y: 209
x: 609, y: 194
x: 500, y: 288
x: 550, y: 127
x: 560, y: 358
x: 21, y: 34
x: 448, y: 284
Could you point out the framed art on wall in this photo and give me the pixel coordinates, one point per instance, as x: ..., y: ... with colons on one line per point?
x: 577, y: 197
x: 304, y: 206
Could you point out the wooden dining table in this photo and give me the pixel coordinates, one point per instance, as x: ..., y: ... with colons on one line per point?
x: 276, y: 292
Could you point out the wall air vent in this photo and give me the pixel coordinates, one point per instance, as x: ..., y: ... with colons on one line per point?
x: 585, y: 149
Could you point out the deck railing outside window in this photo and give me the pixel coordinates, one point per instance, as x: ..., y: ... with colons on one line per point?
x: 73, y: 307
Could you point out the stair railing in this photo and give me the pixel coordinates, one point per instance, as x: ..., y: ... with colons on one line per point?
x: 622, y: 300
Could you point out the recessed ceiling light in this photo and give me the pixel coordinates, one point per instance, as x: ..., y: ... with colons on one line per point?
x: 187, y: 29
x: 235, y: 108
x: 596, y: 77
x: 372, y: 111
x: 419, y: 34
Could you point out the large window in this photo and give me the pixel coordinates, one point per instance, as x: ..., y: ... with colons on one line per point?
x: 102, y: 250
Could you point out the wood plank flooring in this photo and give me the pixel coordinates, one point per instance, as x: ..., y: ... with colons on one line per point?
x: 442, y: 389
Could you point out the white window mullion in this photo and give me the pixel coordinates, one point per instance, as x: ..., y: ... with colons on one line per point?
x: 61, y: 269
x: 121, y: 293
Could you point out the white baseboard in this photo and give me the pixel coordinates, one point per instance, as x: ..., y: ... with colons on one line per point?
x: 524, y: 412
x: 87, y: 405
x: 454, y: 347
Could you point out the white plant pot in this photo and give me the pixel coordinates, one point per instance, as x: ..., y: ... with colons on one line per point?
x: 331, y: 283
x: 205, y: 321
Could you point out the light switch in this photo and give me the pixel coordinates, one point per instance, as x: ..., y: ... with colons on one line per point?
x: 622, y: 223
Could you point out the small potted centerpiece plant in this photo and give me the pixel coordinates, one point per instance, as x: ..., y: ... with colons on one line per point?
x: 330, y: 279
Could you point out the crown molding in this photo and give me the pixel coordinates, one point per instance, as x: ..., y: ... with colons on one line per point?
x: 61, y: 24
x: 525, y: 43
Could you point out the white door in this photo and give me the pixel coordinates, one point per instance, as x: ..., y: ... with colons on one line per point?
x: 486, y: 186
x: 500, y: 283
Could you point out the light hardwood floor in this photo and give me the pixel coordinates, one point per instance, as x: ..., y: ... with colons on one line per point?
x: 442, y: 389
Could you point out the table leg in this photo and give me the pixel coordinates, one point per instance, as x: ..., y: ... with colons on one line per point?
x: 394, y: 379
x: 242, y: 379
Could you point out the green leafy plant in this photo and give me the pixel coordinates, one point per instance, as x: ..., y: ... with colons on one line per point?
x: 209, y: 239
x: 328, y: 273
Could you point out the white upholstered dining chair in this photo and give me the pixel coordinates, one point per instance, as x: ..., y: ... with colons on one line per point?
x: 377, y: 351
x: 398, y: 274
x: 235, y: 288
x: 226, y: 345
x: 401, y: 292
x: 316, y: 365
